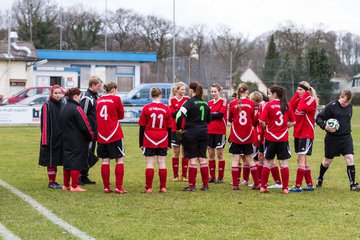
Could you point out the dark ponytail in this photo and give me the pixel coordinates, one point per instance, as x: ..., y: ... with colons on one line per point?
x: 198, y: 89
x: 281, y: 94
x: 72, y: 92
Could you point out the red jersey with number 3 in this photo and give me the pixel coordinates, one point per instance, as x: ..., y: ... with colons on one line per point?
x: 218, y: 126
x: 156, y: 119
x: 174, y: 106
x: 242, y: 121
x: 276, y: 121
x: 109, y: 110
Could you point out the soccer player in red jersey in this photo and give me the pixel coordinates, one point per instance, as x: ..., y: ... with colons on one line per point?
x: 217, y: 133
x: 155, y: 138
x: 304, y: 103
x: 177, y: 99
x: 276, y: 118
x: 241, y: 115
x: 109, y: 110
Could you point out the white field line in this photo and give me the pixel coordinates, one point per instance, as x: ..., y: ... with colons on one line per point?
x: 47, y: 213
x: 7, y: 234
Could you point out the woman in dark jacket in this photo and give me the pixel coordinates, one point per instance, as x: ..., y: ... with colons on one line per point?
x: 76, y: 135
x: 50, y: 142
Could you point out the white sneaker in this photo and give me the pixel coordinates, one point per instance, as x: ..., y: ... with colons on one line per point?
x: 244, y: 183
x: 251, y: 185
x: 275, y: 186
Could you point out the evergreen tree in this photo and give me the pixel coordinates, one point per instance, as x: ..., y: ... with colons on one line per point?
x: 285, y: 76
x: 272, y: 63
x: 301, y: 71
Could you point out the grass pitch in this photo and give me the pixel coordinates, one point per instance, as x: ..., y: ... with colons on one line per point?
x: 328, y: 213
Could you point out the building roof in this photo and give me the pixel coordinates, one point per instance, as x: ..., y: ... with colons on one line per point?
x: 17, y: 55
x: 96, y: 56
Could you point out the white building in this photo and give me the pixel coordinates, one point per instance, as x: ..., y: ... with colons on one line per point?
x: 250, y: 76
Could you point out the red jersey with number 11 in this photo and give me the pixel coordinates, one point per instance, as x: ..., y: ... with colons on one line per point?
x: 109, y: 110
x: 156, y: 119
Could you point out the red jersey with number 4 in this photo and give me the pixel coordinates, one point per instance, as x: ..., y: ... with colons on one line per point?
x: 174, y: 106
x: 242, y: 121
x: 109, y: 110
x: 218, y: 126
x: 156, y: 119
x: 276, y: 121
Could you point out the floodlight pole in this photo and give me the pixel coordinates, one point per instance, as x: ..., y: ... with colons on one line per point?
x: 174, y: 40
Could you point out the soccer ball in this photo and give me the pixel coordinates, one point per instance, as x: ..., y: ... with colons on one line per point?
x: 333, y: 123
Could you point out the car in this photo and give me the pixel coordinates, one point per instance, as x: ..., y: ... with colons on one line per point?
x: 27, y: 92
x: 141, y: 95
x: 38, y: 99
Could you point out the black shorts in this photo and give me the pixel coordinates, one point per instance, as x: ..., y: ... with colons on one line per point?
x: 111, y: 150
x: 217, y: 140
x: 303, y: 146
x: 339, y: 145
x: 150, y: 152
x: 245, y: 149
x: 195, y: 147
x: 175, y: 141
x: 281, y: 149
x: 257, y: 150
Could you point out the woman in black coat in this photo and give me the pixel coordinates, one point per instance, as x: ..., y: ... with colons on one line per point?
x: 50, y: 142
x: 76, y: 135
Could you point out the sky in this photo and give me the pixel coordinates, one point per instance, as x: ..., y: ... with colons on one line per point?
x: 249, y: 17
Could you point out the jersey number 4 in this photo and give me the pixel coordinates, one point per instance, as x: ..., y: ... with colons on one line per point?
x: 104, y: 112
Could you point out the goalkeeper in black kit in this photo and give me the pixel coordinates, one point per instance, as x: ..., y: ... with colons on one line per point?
x: 338, y: 141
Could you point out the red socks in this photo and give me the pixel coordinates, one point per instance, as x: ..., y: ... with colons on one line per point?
x: 255, y: 176
x: 275, y: 173
x: 265, y: 176
x: 75, y: 174
x: 212, y: 168
x: 162, y: 176
x: 259, y: 168
x: 67, y: 175
x: 246, y: 174
x: 119, y: 175
x: 221, y: 169
x: 51, y: 171
x: 149, y: 176
x: 184, y: 165
x: 192, y: 175
x: 175, y: 167
x: 308, y: 178
x: 204, y: 170
x: 299, y: 177
x: 235, y: 172
x: 285, y: 177
x: 105, y: 173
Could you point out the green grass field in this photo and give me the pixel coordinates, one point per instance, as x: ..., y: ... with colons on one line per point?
x: 327, y: 213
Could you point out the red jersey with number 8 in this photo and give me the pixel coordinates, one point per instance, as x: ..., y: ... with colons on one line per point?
x: 276, y: 121
x: 156, y: 119
x: 109, y: 110
x: 242, y: 121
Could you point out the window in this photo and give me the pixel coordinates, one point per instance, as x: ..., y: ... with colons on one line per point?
x: 145, y: 93
x: 336, y: 86
x: 125, y: 70
x: 125, y: 83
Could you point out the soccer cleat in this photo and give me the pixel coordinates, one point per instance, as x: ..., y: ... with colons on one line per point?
x: 120, y: 191
x: 295, y: 189
x: 204, y: 188
x: 244, y: 183
x: 107, y: 190
x: 355, y: 187
x: 77, y: 189
x: 264, y: 190
x: 251, y: 185
x: 219, y: 181
x: 65, y: 188
x: 319, y: 183
x: 190, y: 188
x: 184, y: 179
x: 275, y: 186
x: 308, y: 188
x: 149, y: 190
x: 175, y: 179
x: 255, y: 187
x: 55, y: 185
x: 235, y: 188
x: 285, y: 191
x: 162, y: 190
x: 211, y: 180
x: 86, y: 180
